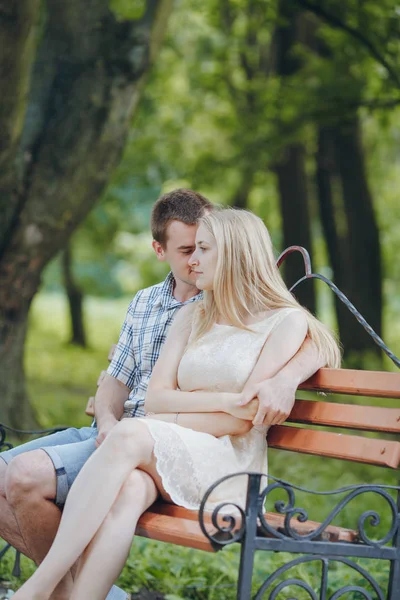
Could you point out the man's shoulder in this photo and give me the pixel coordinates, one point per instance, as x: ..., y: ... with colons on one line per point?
x: 150, y: 292
x: 148, y: 296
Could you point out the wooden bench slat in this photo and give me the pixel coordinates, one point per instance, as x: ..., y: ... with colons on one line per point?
x: 164, y: 528
x: 353, y: 416
x: 335, y: 445
x: 356, y: 383
x: 331, y: 533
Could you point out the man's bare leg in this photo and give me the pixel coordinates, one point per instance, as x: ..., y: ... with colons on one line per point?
x: 9, y: 529
x: 30, y: 489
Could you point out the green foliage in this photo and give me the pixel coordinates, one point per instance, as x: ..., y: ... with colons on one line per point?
x: 128, y: 9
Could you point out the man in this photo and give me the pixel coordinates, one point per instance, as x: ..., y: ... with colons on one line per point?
x: 34, y: 484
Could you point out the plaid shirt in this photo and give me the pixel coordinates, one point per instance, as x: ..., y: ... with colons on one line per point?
x: 142, y: 335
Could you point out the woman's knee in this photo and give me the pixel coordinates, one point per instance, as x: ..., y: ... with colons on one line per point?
x: 131, y: 437
x: 139, y: 490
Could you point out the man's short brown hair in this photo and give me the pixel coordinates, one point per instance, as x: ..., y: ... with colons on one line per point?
x: 182, y: 205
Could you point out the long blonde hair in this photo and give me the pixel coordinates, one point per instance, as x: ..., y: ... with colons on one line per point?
x: 247, y: 280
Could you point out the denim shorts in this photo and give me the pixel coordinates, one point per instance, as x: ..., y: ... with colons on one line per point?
x: 68, y: 450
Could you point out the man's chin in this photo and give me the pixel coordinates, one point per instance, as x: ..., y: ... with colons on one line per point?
x: 191, y: 280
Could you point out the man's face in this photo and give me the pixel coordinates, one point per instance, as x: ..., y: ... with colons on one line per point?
x: 179, y: 248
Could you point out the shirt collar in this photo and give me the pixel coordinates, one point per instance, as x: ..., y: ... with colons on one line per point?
x: 167, y: 299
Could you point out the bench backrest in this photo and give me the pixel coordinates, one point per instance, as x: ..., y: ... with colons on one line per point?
x: 322, y: 413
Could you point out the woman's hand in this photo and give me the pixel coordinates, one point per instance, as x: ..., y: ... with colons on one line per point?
x: 232, y: 406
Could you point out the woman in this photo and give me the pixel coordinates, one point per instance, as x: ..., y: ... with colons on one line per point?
x: 245, y: 330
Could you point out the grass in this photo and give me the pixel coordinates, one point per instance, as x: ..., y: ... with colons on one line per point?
x: 61, y: 378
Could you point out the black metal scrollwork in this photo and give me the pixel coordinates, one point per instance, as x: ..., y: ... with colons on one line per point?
x: 291, y: 511
x: 232, y: 531
x: 268, y: 584
x: 3, y: 444
x: 310, y: 275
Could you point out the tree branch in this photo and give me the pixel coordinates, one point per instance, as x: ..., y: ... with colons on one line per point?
x: 336, y: 22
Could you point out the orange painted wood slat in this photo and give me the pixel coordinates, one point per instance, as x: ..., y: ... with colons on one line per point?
x: 353, y: 416
x: 335, y: 445
x: 164, y: 528
x: 332, y: 532
x: 357, y: 383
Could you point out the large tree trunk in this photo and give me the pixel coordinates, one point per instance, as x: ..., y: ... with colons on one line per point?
x: 336, y: 235
x: 363, y: 234
x: 241, y: 195
x: 293, y: 196
x: 58, y: 154
x: 349, y: 226
x: 75, y: 300
x: 290, y: 169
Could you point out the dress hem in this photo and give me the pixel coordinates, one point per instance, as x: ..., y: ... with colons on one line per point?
x: 170, y: 492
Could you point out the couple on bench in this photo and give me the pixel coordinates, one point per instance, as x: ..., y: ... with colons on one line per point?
x: 236, y: 351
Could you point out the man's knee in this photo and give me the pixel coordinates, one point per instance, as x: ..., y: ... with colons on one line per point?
x: 30, y: 476
x: 3, y: 471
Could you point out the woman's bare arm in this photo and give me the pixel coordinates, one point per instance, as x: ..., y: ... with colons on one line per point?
x: 162, y: 393
x: 272, y: 378
x: 216, y: 424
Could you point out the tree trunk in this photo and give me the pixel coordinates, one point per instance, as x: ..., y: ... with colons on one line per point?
x: 363, y: 234
x: 336, y: 236
x: 241, y: 197
x: 75, y: 300
x: 296, y: 220
x: 346, y: 237
x: 290, y: 168
x: 14, y: 409
x: 81, y: 93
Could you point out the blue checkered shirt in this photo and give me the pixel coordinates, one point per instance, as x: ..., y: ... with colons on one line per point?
x: 142, y: 335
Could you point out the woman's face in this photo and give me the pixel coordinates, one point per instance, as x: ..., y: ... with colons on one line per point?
x: 204, y: 259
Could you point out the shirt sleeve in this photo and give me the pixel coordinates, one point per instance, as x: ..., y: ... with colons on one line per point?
x: 123, y: 365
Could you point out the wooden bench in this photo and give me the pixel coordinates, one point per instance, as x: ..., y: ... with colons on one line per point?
x: 310, y: 429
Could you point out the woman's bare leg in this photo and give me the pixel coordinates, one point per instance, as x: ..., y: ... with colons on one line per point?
x: 104, y: 558
x: 93, y: 493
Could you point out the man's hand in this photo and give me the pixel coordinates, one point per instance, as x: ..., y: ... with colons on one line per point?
x: 276, y: 398
x: 104, y: 429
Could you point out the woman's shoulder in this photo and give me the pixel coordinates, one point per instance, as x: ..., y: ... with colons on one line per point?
x: 185, y: 315
x: 280, y: 313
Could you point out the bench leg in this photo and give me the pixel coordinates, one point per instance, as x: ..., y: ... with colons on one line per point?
x: 394, y: 581
x: 394, y: 577
x: 248, y: 546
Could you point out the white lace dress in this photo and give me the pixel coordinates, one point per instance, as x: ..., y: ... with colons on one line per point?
x: 189, y: 462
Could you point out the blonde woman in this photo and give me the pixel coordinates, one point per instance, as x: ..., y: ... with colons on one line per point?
x: 199, y: 423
